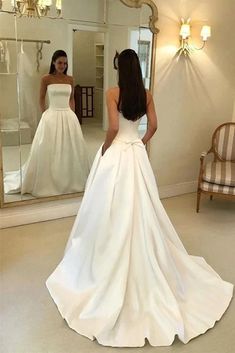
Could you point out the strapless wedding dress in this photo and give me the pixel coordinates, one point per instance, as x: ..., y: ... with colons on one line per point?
x: 58, y: 160
x: 125, y: 274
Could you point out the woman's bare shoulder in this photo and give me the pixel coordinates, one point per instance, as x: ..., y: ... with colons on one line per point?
x: 46, y: 78
x: 113, y: 93
x: 113, y: 90
x: 69, y: 78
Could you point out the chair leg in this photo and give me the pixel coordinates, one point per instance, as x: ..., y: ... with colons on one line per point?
x: 198, y: 200
x: 211, y: 197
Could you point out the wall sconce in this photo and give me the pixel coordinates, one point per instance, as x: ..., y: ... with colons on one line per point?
x: 185, y: 30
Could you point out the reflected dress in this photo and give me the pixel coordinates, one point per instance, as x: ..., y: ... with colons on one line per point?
x: 58, y: 161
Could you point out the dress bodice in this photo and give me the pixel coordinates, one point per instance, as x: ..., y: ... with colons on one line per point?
x: 59, y: 94
x: 128, y: 129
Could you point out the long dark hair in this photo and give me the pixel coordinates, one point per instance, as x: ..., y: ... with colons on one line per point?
x: 57, y: 54
x: 132, y: 97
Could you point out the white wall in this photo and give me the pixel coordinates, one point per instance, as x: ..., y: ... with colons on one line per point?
x: 119, y: 14
x: 84, y: 58
x: 233, y: 118
x: 84, y: 62
x: 84, y: 10
x: 193, y: 96
x: 43, y: 29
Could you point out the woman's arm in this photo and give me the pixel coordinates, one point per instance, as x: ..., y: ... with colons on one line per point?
x: 71, y: 100
x: 42, y: 95
x: 113, y: 113
x: 152, y: 119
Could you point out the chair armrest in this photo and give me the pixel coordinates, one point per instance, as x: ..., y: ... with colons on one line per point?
x: 204, y: 154
x: 201, y: 169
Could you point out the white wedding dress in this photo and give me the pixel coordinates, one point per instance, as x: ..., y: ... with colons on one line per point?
x: 125, y: 275
x: 58, y: 161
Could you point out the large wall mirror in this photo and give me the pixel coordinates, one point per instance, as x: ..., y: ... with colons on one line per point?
x: 90, y: 38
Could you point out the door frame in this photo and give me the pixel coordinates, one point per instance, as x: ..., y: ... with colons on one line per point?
x: 90, y: 28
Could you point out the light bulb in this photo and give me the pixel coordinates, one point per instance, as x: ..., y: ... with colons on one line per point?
x: 205, y: 32
x: 185, y: 31
x: 58, y: 4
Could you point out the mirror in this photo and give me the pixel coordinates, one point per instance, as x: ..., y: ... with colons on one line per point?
x: 49, y: 155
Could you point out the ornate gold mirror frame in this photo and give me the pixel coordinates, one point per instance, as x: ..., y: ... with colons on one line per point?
x: 153, y: 27
x: 153, y: 18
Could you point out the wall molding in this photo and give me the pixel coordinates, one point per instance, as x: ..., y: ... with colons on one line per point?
x: 45, y: 211
x: 153, y: 18
x: 177, y: 189
x: 38, y: 212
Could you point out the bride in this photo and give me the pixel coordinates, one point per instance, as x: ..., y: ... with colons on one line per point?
x: 58, y: 160
x: 125, y: 275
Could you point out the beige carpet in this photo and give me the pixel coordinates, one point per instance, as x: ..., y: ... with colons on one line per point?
x: 30, y: 322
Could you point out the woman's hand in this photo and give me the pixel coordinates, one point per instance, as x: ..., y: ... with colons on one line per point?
x: 103, y: 150
x: 144, y: 143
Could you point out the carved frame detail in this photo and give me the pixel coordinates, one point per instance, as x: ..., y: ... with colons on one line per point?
x: 153, y: 18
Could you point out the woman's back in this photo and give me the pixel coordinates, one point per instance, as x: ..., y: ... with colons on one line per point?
x: 128, y: 129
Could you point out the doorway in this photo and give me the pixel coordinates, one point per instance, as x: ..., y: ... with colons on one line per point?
x: 88, y: 66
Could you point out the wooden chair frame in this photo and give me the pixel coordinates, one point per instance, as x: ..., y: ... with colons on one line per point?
x: 202, y: 165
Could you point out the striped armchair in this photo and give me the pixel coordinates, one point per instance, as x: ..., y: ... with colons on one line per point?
x: 218, y: 177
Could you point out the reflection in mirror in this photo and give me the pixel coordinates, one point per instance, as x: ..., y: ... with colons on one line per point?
x: 93, y: 53
x: 88, y: 72
x: 10, y: 125
x: 57, y: 161
x: 90, y: 49
x: 53, y: 156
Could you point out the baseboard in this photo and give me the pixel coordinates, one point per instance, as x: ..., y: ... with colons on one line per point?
x: 177, y: 189
x: 39, y: 212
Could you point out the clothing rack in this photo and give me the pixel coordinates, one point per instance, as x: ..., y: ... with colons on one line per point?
x: 27, y: 40
x: 39, y: 46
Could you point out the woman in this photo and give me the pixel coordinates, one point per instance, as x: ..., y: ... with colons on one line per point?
x: 58, y: 160
x: 125, y: 275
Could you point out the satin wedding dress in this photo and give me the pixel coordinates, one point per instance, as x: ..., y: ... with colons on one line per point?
x: 125, y: 274
x: 58, y: 160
